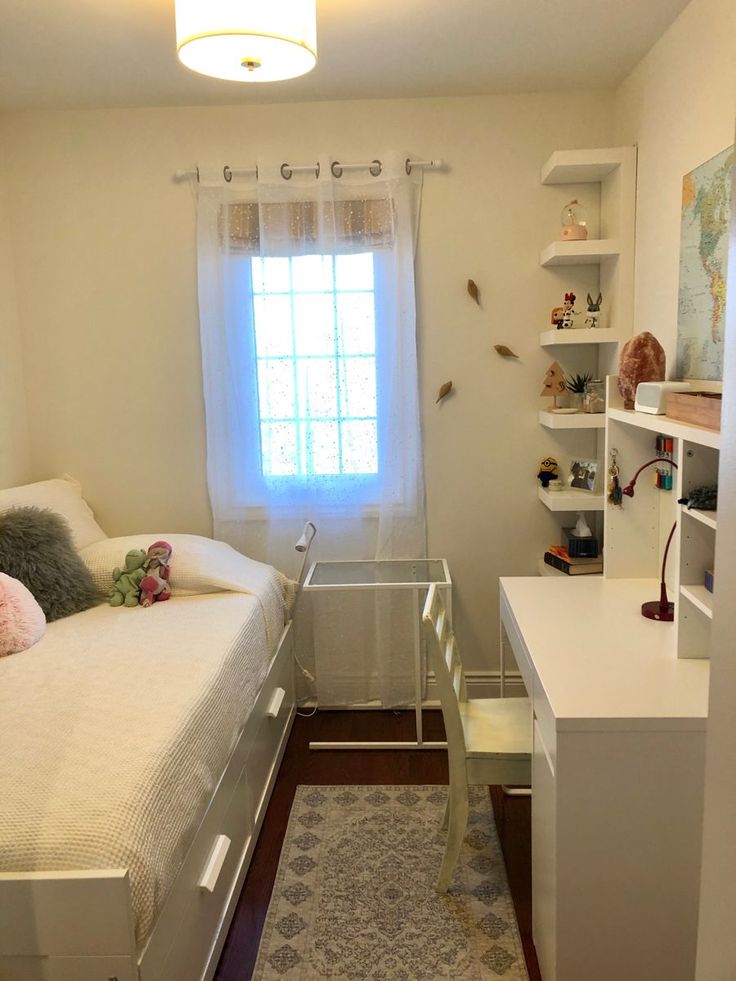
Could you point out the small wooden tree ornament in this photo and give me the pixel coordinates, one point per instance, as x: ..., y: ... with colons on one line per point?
x: 554, y: 383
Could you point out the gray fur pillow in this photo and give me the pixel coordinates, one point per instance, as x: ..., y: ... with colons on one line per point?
x: 36, y: 547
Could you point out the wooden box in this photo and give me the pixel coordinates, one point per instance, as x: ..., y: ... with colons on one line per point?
x: 696, y: 408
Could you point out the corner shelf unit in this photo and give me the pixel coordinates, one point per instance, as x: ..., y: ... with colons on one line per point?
x: 563, y: 338
x: 572, y: 500
x: 588, y: 253
x: 577, y: 420
x: 635, y: 534
x: 593, y: 350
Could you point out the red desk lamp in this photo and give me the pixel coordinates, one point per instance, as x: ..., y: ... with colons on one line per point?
x: 660, y: 609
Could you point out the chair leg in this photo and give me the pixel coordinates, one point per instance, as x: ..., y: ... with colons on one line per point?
x: 458, y: 821
x: 446, y: 816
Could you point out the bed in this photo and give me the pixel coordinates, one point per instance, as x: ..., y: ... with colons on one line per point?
x: 139, y: 752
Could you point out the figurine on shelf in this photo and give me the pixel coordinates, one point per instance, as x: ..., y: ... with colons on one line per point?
x: 554, y: 383
x: 562, y: 317
x: 594, y: 311
x: 574, y: 222
x: 548, y: 471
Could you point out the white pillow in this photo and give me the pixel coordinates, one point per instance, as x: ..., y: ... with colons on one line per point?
x: 195, y: 561
x: 199, y: 565
x: 62, y: 495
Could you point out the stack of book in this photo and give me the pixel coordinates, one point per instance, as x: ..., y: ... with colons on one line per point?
x: 558, y: 558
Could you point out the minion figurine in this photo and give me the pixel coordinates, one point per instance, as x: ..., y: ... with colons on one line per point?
x: 548, y: 471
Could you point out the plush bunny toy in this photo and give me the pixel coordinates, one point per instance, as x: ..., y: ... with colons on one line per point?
x: 594, y: 311
x: 155, y: 586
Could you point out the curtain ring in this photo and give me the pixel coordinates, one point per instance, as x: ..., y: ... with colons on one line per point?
x: 317, y: 169
x: 227, y: 173
x: 286, y: 171
x: 336, y: 168
x: 375, y: 168
x: 407, y: 167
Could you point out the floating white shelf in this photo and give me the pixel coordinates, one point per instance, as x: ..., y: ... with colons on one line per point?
x: 707, y: 518
x: 667, y: 426
x: 588, y: 253
x: 588, y: 335
x: 700, y: 598
x: 580, y: 420
x: 581, y: 166
x: 572, y: 500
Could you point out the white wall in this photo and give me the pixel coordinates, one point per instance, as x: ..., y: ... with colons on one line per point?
x: 14, y: 456
x: 716, y: 935
x: 107, y: 290
x: 678, y: 105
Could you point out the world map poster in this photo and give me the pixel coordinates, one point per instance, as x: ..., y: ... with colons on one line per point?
x: 706, y: 193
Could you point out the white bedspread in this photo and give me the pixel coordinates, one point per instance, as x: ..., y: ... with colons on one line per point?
x: 116, y: 727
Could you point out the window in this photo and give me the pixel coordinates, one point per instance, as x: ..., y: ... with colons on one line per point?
x: 315, y: 350
x: 307, y: 314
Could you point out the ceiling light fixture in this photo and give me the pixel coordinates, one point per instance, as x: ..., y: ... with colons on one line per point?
x: 247, y: 40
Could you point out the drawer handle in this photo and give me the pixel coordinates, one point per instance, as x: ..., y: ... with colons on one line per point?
x: 274, y: 706
x: 212, y: 869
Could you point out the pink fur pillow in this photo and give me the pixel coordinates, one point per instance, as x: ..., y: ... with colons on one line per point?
x: 22, y: 623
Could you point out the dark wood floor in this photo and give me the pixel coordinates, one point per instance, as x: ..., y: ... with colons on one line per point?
x: 302, y: 766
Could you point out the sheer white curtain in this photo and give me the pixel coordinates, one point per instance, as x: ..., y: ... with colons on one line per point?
x: 308, y: 332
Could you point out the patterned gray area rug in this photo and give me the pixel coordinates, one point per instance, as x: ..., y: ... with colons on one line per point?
x: 354, y: 895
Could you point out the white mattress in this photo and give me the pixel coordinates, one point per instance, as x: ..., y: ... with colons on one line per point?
x: 116, y: 727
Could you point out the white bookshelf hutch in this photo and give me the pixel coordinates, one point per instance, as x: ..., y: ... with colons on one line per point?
x: 635, y: 533
x: 619, y: 702
x: 604, y: 180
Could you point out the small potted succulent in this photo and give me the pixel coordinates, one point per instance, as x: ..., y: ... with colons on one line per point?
x: 576, y: 385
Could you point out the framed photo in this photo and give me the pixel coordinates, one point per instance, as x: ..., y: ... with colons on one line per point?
x: 583, y: 474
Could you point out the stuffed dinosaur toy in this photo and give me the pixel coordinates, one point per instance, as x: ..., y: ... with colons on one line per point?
x: 126, y: 590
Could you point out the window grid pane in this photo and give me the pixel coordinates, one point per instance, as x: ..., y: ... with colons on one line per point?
x: 316, y: 365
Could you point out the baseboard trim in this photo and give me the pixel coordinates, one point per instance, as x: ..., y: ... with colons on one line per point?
x: 484, y: 684
x: 479, y: 684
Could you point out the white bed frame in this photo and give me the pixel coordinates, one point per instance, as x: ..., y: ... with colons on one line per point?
x: 78, y: 926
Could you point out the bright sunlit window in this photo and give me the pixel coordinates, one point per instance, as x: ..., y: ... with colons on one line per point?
x: 315, y: 346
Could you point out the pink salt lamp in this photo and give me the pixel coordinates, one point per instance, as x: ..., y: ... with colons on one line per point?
x: 642, y: 360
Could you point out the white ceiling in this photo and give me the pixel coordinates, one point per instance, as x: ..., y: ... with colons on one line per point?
x: 102, y: 53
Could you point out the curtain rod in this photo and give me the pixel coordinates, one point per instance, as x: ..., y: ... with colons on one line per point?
x: 287, y: 170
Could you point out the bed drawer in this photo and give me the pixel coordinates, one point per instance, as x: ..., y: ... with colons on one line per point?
x: 194, y: 913
x: 209, y: 881
x: 265, y: 732
x: 67, y: 968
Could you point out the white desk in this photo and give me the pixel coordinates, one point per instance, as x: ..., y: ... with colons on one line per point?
x: 617, y: 779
